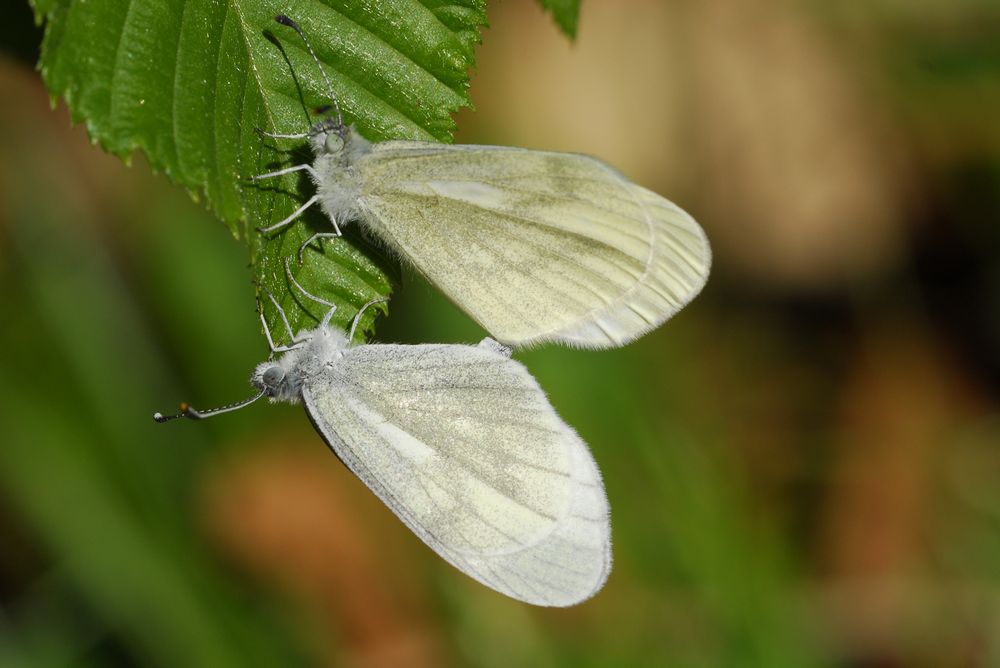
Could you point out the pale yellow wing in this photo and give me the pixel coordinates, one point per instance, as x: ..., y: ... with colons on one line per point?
x: 536, y: 246
x: 461, y: 443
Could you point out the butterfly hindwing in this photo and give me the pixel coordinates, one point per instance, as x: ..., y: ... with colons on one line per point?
x: 536, y: 246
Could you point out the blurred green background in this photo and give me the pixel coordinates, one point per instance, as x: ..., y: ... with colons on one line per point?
x: 803, y: 466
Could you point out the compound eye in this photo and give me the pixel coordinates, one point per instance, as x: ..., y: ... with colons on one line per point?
x: 334, y: 143
x: 273, y: 376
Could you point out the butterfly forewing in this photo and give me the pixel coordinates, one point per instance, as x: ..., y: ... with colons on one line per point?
x: 461, y: 443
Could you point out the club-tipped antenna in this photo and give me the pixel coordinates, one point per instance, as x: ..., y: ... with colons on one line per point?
x: 192, y: 413
x: 285, y: 21
x: 357, y: 318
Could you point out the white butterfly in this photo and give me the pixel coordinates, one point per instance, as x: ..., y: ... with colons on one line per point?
x: 461, y: 443
x: 536, y: 246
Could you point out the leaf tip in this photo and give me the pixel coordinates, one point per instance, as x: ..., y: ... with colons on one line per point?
x: 566, y: 14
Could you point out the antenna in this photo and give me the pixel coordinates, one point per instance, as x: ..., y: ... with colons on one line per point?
x: 285, y: 21
x: 192, y: 413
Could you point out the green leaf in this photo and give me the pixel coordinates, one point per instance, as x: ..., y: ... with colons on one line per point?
x: 186, y: 82
x: 566, y: 14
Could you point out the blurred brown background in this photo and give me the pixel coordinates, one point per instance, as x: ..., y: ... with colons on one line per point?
x: 803, y: 466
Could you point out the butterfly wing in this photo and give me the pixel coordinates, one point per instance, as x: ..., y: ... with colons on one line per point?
x: 462, y: 444
x: 536, y: 246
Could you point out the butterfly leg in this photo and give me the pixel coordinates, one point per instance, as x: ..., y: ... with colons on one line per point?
x: 289, y: 219
x: 283, y: 135
x: 320, y: 235
x: 357, y: 318
x: 333, y: 307
x: 296, y: 341
x: 286, y: 170
x: 270, y: 341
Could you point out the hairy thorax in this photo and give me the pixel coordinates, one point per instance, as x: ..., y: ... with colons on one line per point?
x: 283, y: 379
x: 337, y: 181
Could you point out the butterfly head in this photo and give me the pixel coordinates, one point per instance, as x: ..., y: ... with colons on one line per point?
x: 329, y: 137
x: 278, y: 379
x: 340, y: 143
